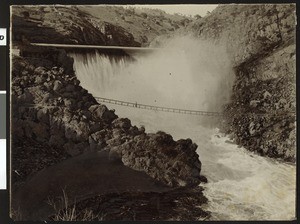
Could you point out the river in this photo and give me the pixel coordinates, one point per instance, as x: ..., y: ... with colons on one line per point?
x: 241, y: 185
x: 197, y: 75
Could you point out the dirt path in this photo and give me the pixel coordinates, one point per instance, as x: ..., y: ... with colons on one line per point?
x: 81, y: 177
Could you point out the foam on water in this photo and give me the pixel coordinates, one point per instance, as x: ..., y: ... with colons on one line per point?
x: 196, y: 75
x: 249, y: 187
x: 187, y: 73
x: 241, y: 185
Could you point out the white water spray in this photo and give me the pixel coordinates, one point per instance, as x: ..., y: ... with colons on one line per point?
x: 185, y: 73
x: 196, y: 75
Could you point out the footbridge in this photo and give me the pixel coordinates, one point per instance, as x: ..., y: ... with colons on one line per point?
x: 157, y: 108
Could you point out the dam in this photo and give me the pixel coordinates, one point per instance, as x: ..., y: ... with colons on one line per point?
x: 241, y: 185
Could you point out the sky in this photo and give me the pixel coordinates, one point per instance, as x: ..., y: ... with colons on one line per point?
x: 185, y: 9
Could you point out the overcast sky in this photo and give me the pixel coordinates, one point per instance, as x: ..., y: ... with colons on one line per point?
x: 185, y: 9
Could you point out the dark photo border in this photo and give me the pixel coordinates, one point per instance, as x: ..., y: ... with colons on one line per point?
x: 5, y: 83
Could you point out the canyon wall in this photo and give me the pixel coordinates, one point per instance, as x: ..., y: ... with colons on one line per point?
x: 54, y: 118
x: 260, y: 39
x: 103, y: 25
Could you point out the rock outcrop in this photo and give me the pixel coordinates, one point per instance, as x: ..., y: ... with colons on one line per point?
x: 248, y: 31
x: 260, y: 39
x: 103, y: 25
x: 50, y: 108
x: 53, y: 118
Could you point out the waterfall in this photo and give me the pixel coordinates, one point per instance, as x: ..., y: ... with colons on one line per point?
x: 179, y: 75
x: 192, y: 74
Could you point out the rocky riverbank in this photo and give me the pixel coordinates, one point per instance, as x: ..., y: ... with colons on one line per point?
x: 260, y: 39
x: 54, y: 118
x: 50, y: 107
x: 262, y: 113
x: 97, y: 183
x: 103, y: 25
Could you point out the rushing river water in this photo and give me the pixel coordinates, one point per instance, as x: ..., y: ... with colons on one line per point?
x: 241, y: 185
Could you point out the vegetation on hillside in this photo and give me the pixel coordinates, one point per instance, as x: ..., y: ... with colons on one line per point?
x: 103, y: 25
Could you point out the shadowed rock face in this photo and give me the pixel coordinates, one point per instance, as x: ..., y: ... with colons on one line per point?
x: 50, y: 27
x: 265, y: 91
x: 54, y: 118
x: 52, y: 109
x: 81, y: 177
x: 104, y: 25
x: 260, y: 39
x: 247, y: 30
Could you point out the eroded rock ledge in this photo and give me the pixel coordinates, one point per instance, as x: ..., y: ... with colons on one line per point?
x: 52, y: 111
x: 260, y: 40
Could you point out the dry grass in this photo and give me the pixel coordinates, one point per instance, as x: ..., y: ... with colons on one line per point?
x: 16, y: 215
x: 64, y: 211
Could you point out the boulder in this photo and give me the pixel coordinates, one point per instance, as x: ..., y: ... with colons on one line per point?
x: 99, y: 135
x: 101, y: 112
x: 142, y: 129
x: 68, y: 95
x: 57, y: 140
x: 48, y: 85
x: 39, y: 80
x: 70, y: 88
x: 134, y: 131
x: 173, y: 163
x: 123, y: 123
x: 252, y: 128
x: 86, y: 114
x: 115, y: 141
x: 93, y: 144
x: 57, y: 85
x: 46, y: 98
x: 70, y: 133
x: 40, y: 71
x: 267, y: 95
x: 97, y: 126
x: 254, y: 103
x: 43, y: 115
x: 26, y: 97
x: 77, y: 131
x: 70, y: 103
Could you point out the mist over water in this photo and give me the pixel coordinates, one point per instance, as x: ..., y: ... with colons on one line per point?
x: 197, y: 75
x: 185, y: 73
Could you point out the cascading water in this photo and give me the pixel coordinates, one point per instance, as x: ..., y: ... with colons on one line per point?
x: 195, y: 75
x: 176, y: 76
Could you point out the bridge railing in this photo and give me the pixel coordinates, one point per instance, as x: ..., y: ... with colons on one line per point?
x: 157, y: 108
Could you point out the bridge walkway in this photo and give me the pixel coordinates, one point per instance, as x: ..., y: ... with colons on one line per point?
x: 157, y: 108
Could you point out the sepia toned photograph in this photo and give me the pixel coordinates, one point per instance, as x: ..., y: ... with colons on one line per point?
x: 153, y: 112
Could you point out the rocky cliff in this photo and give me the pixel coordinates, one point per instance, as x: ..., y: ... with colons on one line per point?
x: 53, y: 118
x: 51, y: 110
x: 104, y: 25
x: 260, y: 39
